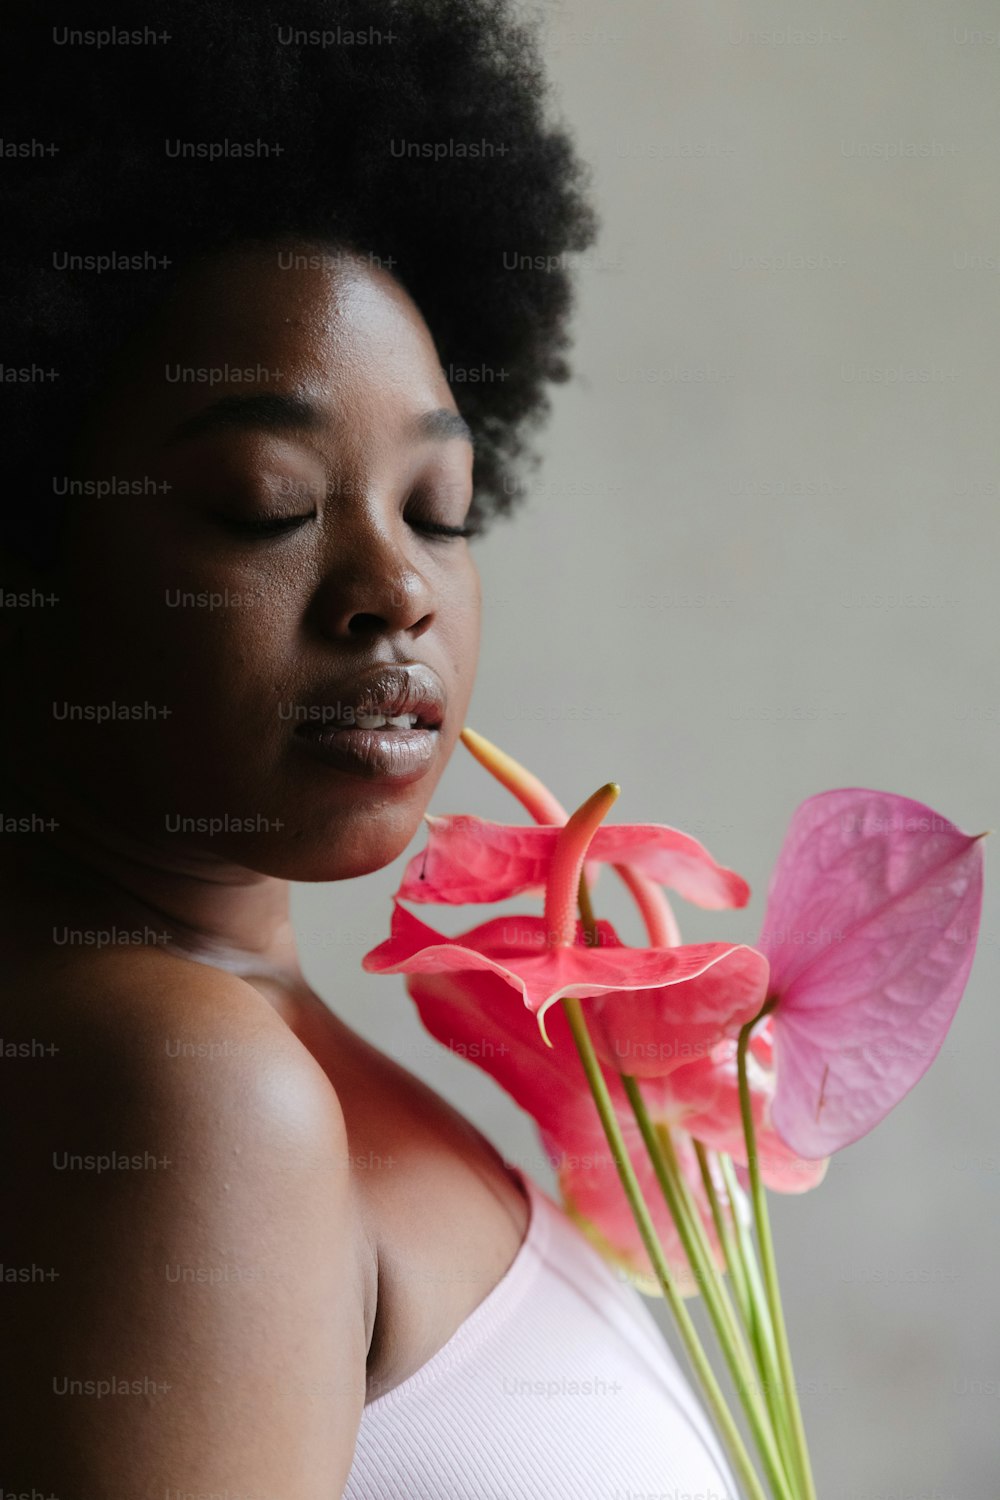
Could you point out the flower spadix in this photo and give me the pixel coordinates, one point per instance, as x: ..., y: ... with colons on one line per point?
x: 469, y: 859
x: 695, y: 994
x: 545, y: 807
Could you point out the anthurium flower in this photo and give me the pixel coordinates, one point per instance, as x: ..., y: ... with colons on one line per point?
x: 872, y: 916
x: 470, y: 859
x: 592, y: 1195
x: 709, y: 1110
x: 544, y: 807
x: 478, y: 1015
x: 691, y: 996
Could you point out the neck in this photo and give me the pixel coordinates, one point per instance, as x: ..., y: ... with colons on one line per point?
x: 88, y: 871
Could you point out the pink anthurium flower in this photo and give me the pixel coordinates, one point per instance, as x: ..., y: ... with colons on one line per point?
x: 544, y: 807
x: 715, y: 1120
x: 470, y: 859
x: 699, y: 993
x: 769, y: 1058
x: 592, y: 1195
x: 479, y: 1016
x: 872, y: 916
x: 686, y: 1084
x: 693, y: 995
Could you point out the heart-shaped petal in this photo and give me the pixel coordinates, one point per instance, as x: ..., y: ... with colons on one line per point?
x: 871, y: 923
x: 699, y: 990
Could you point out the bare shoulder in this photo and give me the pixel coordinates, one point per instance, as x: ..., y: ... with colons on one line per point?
x: 196, y: 1304
x: 148, y: 1032
x: 135, y: 994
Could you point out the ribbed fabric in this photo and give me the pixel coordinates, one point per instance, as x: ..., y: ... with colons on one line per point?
x: 558, y: 1386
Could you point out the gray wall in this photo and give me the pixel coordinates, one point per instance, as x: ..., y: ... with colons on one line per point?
x: 760, y: 561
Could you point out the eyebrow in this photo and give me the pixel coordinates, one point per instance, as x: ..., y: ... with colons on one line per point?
x: 276, y: 413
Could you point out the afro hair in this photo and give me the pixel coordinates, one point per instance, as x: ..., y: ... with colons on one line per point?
x: 414, y: 132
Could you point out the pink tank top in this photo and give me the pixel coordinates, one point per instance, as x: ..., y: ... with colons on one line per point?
x: 558, y: 1385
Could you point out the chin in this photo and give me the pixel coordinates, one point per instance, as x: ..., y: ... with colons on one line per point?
x: 357, y: 844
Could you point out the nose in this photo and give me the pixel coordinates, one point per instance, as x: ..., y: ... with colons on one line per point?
x: 372, y: 587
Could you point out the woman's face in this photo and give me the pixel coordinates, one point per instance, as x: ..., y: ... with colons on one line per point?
x: 273, y: 458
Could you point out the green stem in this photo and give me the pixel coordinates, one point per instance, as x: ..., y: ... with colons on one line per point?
x: 770, y: 1271
x: 626, y: 1172
x: 737, y: 1274
x: 686, y: 1217
x: 761, y: 1333
x: 693, y: 1219
x: 590, y: 926
x: 743, y: 1246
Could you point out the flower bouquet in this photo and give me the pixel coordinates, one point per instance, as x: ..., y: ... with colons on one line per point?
x: 673, y: 1084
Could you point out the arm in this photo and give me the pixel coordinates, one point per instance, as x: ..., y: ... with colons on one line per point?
x: 214, y: 1290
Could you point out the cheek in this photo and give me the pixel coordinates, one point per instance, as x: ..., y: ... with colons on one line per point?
x: 146, y: 609
x: 462, y: 629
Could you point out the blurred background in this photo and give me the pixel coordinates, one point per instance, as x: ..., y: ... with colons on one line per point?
x: 760, y: 561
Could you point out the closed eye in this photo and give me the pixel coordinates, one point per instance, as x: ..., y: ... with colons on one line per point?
x: 438, y: 528
x: 272, y: 526
x: 264, y: 526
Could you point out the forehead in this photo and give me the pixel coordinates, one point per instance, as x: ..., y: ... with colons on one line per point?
x: 310, y: 304
x: 263, y: 321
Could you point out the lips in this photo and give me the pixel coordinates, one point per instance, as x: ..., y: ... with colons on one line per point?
x: 406, y: 691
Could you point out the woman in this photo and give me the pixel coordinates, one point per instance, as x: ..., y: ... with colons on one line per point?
x: 272, y: 374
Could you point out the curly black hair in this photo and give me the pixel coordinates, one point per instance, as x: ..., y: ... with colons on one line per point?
x: 415, y: 132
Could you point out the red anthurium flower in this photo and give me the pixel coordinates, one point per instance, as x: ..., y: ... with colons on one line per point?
x: 872, y: 916
x: 592, y: 1195
x: 479, y: 1016
x: 469, y: 859
x: 691, y: 996
x: 534, y: 795
x: 653, y: 1035
x: 684, y: 1084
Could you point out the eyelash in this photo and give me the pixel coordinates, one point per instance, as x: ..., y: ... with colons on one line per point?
x: 279, y: 525
x: 273, y: 527
x: 437, y: 528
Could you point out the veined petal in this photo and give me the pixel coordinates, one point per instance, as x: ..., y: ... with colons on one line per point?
x: 479, y: 1015
x: 849, y: 855
x: 871, y: 923
x: 516, y: 949
x: 486, y: 1023
x: 719, y: 1124
x: 469, y: 859
x: 651, y: 1032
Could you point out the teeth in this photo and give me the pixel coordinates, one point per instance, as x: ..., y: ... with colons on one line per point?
x: 379, y: 721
